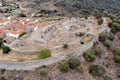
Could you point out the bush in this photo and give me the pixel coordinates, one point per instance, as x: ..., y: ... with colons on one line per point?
x: 79, y: 69
x: 45, y: 53
x: 1, y: 43
x: 98, y: 16
x: 89, y: 56
x: 98, y: 51
x: 116, y: 50
x: 2, y: 71
x: 111, y: 37
x: 117, y: 59
x: 115, y: 27
x: 107, y: 44
x: 110, y: 24
x: 102, y: 37
x: 2, y: 78
x: 64, y: 67
x: 22, y: 15
x: 43, y: 72
x: 74, y: 62
x: 97, y: 70
x: 6, y: 49
x: 107, y: 78
x: 100, y: 21
x: 80, y: 34
x: 65, y: 46
x: 23, y: 33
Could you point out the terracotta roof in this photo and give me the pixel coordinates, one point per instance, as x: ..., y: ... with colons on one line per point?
x: 42, y: 24
x: 14, y: 32
x: 2, y: 33
x: 18, y: 25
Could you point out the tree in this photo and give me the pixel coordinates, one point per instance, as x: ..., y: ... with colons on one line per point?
x: 80, y: 34
x: 98, y: 16
x: 100, y: 21
x: 6, y: 49
x: 22, y: 15
x: 102, y: 37
x: 79, y: 69
x: 107, y: 43
x: 117, y: 59
x: 89, y: 56
x: 65, y: 46
x: 45, y: 53
x: 116, y: 50
x: 97, y: 70
x: 23, y: 33
x: 64, y: 67
x: 108, y: 78
x: 98, y: 51
x: 74, y: 62
x: 1, y: 43
x: 43, y: 72
x: 111, y: 37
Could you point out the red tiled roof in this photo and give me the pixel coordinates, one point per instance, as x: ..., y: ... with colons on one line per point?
x: 2, y: 33
x: 18, y: 25
x: 42, y: 24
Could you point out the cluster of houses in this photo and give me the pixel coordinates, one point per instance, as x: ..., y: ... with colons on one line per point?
x: 13, y: 27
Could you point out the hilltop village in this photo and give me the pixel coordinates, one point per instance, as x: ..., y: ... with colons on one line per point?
x: 59, y: 40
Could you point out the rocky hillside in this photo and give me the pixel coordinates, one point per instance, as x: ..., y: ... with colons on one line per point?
x: 74, y: 7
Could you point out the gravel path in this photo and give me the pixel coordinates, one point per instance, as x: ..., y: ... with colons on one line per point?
x: 31, y: 65
x: 48, y: 61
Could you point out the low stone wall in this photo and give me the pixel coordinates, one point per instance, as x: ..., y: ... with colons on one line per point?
x: 48, y: 61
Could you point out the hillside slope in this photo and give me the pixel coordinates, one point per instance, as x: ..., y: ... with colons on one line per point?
x: 75, y: 7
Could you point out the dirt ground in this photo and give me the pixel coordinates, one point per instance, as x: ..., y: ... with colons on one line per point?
x: 106, y: 59
x: 17, y: 57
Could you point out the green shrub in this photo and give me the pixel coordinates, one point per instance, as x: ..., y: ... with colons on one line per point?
x: 116, y: 50
x: 98, y: 16
x: 65, y: 46
x: 45, y: 53
x: 22, y: 15
x: 74, y: 62
x: 79, y: 69
x: 2, y: 78
x: 110, y: 24
x: 89, y: 56
x: 107, y: 44
x: 6, y: 49
x: 98, y: 51
x: 80, y: 34
x: 117, y: 59
x: 1, y: 43
x: 97, y: 70
x: 107, y: 78
x: 43, y: 72
x: 115, y: 27
x: 2, y: 71
x: 102, y: 37
x: 111, y: 37
x: 100, y: 21
x: 64, y: 67
x: 23, y: 33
